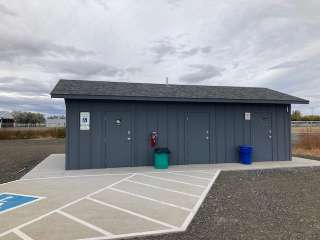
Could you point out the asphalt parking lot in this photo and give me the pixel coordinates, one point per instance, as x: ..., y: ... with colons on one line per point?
x: 105, y: 206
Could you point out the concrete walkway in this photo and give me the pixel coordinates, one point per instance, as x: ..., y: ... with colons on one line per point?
x: 112, y: 203
x: 53, y: 166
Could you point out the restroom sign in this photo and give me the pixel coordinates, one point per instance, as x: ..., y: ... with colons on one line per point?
x: 247, y: 116
x: 84, y: 120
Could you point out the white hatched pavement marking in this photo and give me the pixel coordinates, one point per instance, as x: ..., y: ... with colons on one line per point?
x: 179, y: 229
x: 164, y: 189
x: 171, y: 180
x: 89, y: 225
x: 22, y: 235
x: 60, y: 208
x: 150, y: 199
x: 132, y: 213
x: 191, y: 176
x: 129, y: 235
x: 197, y: 206
x: 18, y: 232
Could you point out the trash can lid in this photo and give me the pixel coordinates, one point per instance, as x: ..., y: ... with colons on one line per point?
x: 246, y: 146
x: 161, y: 150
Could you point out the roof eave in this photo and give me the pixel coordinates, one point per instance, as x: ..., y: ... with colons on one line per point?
x: 167, y: 99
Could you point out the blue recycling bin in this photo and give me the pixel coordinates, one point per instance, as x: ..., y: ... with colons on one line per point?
x: 245, y: 154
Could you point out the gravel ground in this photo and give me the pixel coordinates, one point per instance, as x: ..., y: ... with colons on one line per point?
x: 17, y: 157
x: 264, y: 204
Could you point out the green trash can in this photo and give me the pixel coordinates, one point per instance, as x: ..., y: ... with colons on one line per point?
x: 161, y: 158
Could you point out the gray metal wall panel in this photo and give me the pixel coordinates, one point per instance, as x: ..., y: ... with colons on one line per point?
x: 140, y: 135
x: 212, y: 134
x: 220, y: 136
x: 228, y: 130
x: 288, y: 126
x: 238, y: 129
x: 173, y: 134
x: 96, y: 136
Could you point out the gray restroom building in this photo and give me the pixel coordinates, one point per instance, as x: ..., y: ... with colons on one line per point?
x: 118, y: 124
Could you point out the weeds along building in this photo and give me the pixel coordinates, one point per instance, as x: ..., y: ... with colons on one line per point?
x: 117, y: 124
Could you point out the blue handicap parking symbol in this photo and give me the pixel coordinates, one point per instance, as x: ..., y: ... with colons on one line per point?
x: 9, y: 201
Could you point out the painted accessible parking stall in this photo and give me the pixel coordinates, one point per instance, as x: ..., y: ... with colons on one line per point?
x: 11, y: 201
x: 116, y: 204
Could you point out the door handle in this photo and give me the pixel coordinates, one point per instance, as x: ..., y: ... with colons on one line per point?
x: 270, y: 136
x: 129, y: 138
x: 207, y: 137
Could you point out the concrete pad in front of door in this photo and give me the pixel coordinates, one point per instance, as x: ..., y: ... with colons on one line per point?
x: 106, y: 206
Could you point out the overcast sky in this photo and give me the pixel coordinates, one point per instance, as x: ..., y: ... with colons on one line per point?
x: 274, y: 43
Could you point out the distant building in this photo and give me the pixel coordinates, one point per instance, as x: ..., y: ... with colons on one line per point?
x: 55, y: 122
x: 6, y: 119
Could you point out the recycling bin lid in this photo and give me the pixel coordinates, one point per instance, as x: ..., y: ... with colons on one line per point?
x: 162, y: 150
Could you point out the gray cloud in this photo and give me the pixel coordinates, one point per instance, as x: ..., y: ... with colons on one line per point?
x: 162, y: 49
x: 165, y: 48
x: 200, y: 73
x: 174, y: 3
x: 290, y: 64
x: 83, y: 68
x: 25, y: 86
x: 44, y: 105
x: 193, y: 51
x: 6, y: 11
x: 296, y: 76
x: 17, y: 47
x: 133, y: 69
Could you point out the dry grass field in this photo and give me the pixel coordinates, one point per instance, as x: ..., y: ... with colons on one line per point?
x: 31, y: 133
x: 307, y: 141
x: 17, y: 157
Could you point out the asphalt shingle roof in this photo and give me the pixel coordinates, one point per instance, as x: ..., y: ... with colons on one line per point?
x: 147, y: 91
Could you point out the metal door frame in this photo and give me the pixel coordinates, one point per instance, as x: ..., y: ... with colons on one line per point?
x: 186, y: 135
x: 105, y: 142
x: 271, y: 127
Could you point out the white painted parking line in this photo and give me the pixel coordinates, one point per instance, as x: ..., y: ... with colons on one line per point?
x: 205, y: 171
x: 75, y: 176
x: 197, y: 206
x: 195, y: 177
x: 164, y: 189
x: 60, y: 208
x: 132, y: 213
x: 171, y: 180
x: 150, y: 199
x: 22, y: 235
x: 89, y: 225
x: 129, y: 235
